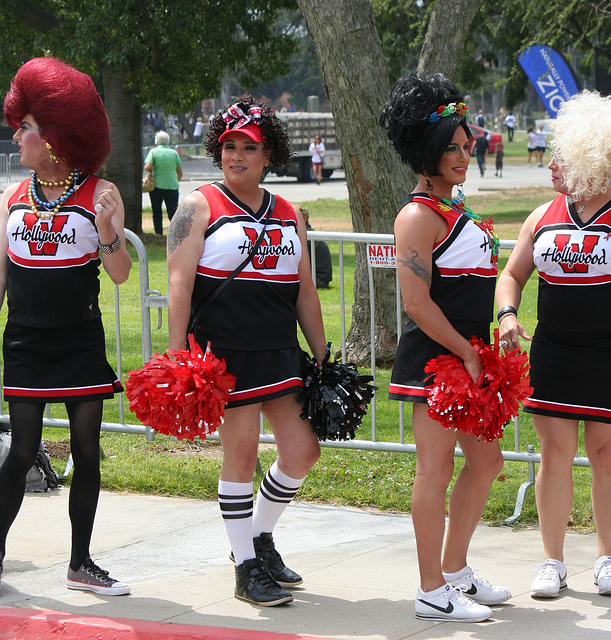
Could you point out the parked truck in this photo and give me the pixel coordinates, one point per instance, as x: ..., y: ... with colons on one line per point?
x: 302, y: 127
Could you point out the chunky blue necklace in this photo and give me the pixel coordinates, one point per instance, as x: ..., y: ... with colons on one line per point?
x: 54, y: 206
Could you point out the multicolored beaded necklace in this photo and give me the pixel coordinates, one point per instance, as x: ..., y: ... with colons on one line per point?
x: 69, y: 185
x: 458, y: 204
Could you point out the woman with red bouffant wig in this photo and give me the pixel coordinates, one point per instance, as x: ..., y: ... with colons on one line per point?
x: 56, y: 227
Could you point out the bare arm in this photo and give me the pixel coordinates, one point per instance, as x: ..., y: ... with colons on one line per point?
x: 308, y: 310
x: 185, y: 247
x: 417, y: 228
x: 4, y: 240
x: 514, y: 277
x: 110, y: 222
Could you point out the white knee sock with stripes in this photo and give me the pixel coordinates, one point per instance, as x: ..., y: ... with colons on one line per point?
x: 236, y: 503
x: 275, y: 493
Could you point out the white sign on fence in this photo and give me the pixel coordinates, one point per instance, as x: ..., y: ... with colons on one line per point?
x: 382, y: 255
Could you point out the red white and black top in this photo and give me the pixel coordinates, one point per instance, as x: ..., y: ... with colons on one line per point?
x: 464, y: 267
x: 54, y: 346
x: 53, y: 265
x: 573, y: 259
x: 463, y: 280
x: 257, y: 311
x: 571, y: 349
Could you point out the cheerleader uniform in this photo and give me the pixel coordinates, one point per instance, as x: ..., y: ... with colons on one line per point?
x: 571, y: 349
x: 252, y: 324
x: 462, y: 285
x: 54, y: 349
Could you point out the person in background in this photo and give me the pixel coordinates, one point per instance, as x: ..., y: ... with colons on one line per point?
x: 165, y: 165
x: 510, y: 123
x: 531, y: 144
x: 498, y: 160
x: 252, y: 324
x: 317, y: 149
x: 198, y: 132
x: 322, y: 254
x: 481, y: 149
x: 568, y: 241
x: 540, y: 144
x: 447, y: 267
x: 481, y: 119
x: 54, y: 346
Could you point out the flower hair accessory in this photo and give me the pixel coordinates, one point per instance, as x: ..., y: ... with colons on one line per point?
x: 235, y: 118
x: 448, y: 109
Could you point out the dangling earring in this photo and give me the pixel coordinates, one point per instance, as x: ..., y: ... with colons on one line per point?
x: 52, y: 157
x: 460, y: 197
x: 428, y: 185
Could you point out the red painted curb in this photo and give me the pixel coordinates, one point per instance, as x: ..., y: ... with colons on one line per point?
x: 39, y: 624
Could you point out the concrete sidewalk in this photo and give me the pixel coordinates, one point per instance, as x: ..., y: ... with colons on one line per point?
x: 359, y: 568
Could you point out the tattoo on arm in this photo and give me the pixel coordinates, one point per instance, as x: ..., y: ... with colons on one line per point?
x: 180, y: 225
x: 415, y: 263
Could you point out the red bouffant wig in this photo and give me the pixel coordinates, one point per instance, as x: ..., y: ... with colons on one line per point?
x: 66, y: 106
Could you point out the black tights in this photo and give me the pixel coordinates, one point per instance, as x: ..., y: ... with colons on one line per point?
x: 26, y: 431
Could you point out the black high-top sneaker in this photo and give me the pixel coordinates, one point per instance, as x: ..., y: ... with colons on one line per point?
x: 266, y: 550
x: 254, y: 584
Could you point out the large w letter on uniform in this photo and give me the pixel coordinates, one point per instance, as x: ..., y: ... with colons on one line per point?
x: 44, y: 248
x: 589, y: 242
x: 265, y: 259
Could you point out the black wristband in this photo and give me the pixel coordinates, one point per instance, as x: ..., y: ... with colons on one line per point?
x: 507, y: 309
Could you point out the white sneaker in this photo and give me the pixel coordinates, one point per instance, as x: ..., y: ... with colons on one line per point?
x: 448, y: 603
x: 476, y: 588
x: 602, y: 575
x: 550, y: 580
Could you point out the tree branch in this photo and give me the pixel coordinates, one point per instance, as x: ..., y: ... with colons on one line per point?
x: 32, y: 15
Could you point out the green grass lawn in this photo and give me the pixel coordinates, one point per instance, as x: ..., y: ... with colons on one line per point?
x: 351, y: 477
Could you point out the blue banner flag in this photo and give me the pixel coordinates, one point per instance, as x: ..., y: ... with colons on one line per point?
x: 550, y: 75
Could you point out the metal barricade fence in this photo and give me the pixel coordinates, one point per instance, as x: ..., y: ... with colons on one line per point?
x: 153, y: 299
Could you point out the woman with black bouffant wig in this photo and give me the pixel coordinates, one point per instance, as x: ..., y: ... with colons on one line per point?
x: 56, y: 227
x: 447, y: 267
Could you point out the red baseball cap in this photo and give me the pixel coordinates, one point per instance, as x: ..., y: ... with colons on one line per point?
x: 253, y: 131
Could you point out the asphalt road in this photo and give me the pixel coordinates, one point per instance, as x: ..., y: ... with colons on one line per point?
x: 514, y: 177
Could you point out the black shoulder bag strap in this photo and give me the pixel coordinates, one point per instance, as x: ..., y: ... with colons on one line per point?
x: 234, y: 273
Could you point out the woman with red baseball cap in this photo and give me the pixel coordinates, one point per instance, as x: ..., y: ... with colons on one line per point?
x: 240, y: 280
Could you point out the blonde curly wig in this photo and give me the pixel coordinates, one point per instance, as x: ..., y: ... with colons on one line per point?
x: 582, y: 140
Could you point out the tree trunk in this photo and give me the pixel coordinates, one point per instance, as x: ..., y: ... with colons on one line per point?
x: 446, y: 35
x: 356, y: 83
x: 124, y: 166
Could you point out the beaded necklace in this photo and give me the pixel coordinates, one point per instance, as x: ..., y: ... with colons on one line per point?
x: 486, y: 225
x: 57, y: 183
x: 69, y: 188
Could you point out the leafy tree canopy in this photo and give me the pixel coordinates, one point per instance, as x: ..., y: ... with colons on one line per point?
x: 499, y: 34
x: 174, y: 51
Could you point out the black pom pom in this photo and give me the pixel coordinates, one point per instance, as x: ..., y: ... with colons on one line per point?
x: 335, y: 397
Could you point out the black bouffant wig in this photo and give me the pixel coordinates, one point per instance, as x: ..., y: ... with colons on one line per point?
x: 277, y: 142
x: 413, y: 99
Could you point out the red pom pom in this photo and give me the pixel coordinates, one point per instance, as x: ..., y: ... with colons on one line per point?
x: 481, y: 409
x: 184, y: 397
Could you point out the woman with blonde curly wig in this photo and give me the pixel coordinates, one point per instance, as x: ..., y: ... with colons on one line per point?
x: 568, y: 241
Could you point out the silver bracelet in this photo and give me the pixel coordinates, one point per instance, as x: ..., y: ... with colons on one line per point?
x: 115, y: 245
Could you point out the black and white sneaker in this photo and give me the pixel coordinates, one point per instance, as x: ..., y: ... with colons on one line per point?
x: 254, y: 584
x: 476, y: 588
x: 266, y: 550
x: 89, y: 577
x: 550, y: 580
x: 449, y: 603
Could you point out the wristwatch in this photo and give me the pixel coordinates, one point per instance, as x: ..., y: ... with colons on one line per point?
x: 115, y: 245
